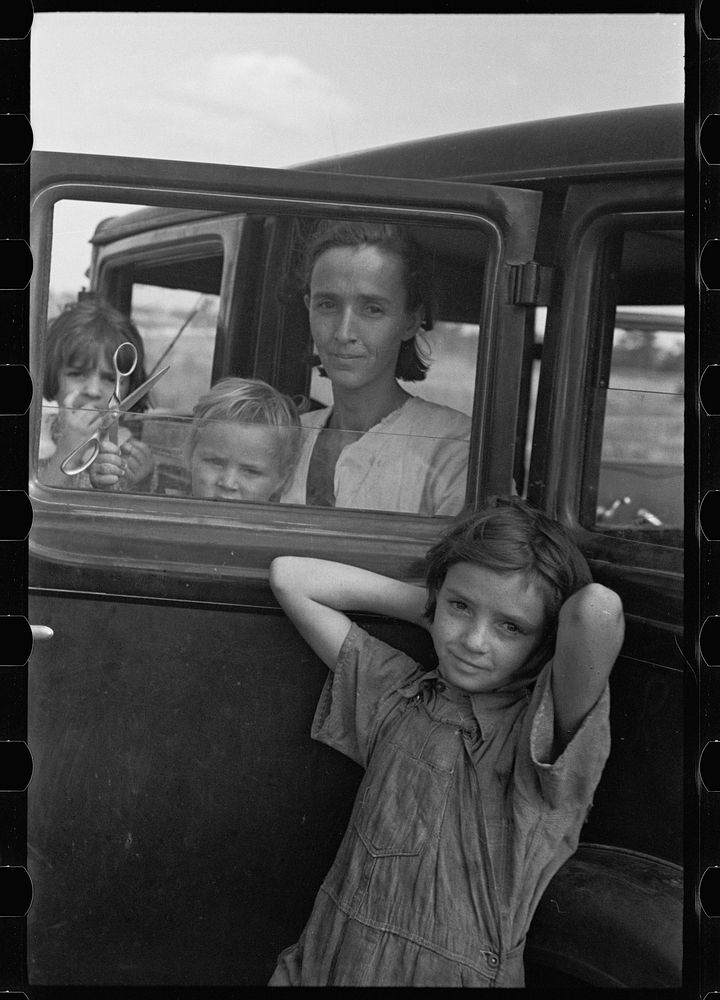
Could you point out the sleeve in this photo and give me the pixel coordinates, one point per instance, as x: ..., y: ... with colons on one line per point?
x: 569, y: 782
x: 47, y: 447
x: 449, y: 479
x: 360, y: 693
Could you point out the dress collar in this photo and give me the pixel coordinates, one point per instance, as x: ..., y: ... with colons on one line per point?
x: 486, y: 707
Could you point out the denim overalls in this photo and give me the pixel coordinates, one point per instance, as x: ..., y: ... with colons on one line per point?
x: 457, y: 826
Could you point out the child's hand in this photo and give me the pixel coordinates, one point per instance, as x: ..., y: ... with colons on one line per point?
x: 108, y: 468
x: 139, y: 461
x: 130, y: 462
x: 74, y: 425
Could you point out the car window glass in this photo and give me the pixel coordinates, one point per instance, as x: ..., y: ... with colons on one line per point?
x: 178, y: 327
x: 640, y: 472
x: 173, y: 273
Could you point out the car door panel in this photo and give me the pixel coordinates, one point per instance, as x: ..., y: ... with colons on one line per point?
x: 178, y: 801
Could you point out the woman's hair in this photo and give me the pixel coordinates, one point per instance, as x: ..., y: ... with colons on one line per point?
x: 412, y: 363
x: 85, y: 334
x: 511, y: 537
x: 249, y: 401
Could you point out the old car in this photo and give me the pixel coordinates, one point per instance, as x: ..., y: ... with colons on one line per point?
x: 180, y: 818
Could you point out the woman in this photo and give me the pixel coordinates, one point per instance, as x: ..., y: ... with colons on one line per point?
x: 377, y: 447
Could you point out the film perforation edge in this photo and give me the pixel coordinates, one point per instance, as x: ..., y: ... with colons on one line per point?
x: 15, y: 883
x: 704, y: 494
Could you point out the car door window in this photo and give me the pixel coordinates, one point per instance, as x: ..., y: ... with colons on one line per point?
x: 168, y: 279
x: 231, y: 253
x: 641, y: 471
x: 634, y: 463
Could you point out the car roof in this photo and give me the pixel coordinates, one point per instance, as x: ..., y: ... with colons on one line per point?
x: 626, y: 141
x: 534, y: 154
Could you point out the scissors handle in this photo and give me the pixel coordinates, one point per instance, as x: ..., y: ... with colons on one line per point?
x: 120, y: 372
x: 73, y: 463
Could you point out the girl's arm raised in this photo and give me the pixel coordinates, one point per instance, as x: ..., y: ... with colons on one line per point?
x: 315, y: 592
x: 591, y: 628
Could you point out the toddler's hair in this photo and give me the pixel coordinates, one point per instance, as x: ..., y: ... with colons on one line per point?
x: 85, y: 334
x: 510, y: 536
x: 250, y: 401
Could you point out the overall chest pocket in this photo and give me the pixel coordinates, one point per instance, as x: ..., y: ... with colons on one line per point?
x: 406, y: 785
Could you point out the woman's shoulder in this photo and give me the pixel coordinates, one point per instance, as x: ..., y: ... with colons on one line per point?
x: 437, y: 415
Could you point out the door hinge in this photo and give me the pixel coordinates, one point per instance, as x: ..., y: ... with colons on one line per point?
x: 529, y: 284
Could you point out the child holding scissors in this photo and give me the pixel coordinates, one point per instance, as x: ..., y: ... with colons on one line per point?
x: 478, y: 774
x: 78, y: 383
x: 243, y: 444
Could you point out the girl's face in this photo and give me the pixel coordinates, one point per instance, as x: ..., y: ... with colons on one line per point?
x: 487, y: 625
x: 358, y: 318
x: 232, y: 461
x: 87, y: 383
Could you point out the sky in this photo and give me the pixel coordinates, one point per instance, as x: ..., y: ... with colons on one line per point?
x: 277, y: 89
x: 280, y: 89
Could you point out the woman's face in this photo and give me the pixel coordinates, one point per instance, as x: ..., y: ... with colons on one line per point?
x: 358, y: 314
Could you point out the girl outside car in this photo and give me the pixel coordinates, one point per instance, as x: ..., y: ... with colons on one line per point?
x: 478, y: 774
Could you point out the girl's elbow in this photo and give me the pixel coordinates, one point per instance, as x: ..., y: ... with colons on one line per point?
x: 591, y: 611
x: 290, y: 575
x: 606, y: 618
x: 280, y: 573
x: 611, y: 609
x: 594, y: 601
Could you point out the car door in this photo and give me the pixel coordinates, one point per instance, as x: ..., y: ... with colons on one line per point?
x: 607, y: 459
x: 180, y: 820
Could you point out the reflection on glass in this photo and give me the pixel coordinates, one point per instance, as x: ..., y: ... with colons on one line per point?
x: 641, y: 474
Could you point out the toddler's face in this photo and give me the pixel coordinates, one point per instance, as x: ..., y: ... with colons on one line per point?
x: 232, y: 461
x: 487, y: 625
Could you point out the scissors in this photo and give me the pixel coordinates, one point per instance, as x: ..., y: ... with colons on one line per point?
x: 82, y: 457
x: 120, y: 374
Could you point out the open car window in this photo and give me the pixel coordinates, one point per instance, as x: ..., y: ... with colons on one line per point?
x: 204, y: 261
x: 221, y: 295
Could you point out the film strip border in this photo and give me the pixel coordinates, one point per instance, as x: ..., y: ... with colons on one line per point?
x: 703, y: 496
x: 707, y: 510
x: 15, y: 396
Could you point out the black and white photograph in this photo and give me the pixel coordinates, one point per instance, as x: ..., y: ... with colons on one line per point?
x: 357, y: 477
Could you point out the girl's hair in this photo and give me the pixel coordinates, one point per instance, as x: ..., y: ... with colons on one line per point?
x: 412, y: 362
x: 84, y: 335
x: 511, y: 537
x: 249, y: 401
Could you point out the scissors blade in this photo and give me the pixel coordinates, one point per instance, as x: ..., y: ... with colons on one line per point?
x: 142, y: 390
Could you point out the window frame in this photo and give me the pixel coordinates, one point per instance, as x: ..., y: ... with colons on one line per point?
x: 184, y: 543
x: 578, y: 337
x: 609, y: 232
